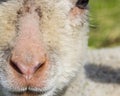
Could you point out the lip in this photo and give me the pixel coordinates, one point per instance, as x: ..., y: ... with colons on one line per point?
x: 28, y: 92
x: 31, y: 91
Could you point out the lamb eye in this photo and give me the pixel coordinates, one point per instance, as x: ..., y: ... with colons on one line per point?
x: 2, y: 1
x: 82, y: 4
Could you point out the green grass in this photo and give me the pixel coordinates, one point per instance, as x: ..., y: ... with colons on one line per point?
x: 104, y: 23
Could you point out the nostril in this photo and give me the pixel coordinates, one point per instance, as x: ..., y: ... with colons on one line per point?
x: 15, y: 66
x: 40, y: 65
x: 26, y: 69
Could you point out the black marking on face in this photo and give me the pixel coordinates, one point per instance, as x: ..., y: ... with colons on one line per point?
x: 28, y: 7
x: 38, y: 10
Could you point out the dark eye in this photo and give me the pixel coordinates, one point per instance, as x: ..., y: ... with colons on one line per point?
x: 2, y: 1
x: 82, y: 4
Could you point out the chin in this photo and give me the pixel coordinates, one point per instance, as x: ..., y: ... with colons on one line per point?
x: 29, y: 88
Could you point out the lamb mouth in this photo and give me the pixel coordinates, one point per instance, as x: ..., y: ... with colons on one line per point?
x: 30, y: 92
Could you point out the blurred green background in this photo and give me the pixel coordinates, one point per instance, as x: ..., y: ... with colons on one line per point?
x: 104, y: 23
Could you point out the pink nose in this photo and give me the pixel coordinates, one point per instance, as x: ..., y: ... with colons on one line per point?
x: 29, y: 67
x: 26, y: 70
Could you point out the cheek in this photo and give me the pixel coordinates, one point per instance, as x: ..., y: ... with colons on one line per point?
x: 8, y: 18
x: 6, y: 36
x: 7, y: 29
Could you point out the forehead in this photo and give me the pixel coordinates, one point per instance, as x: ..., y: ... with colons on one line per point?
x: 44, y: 4
x: 54, y: 14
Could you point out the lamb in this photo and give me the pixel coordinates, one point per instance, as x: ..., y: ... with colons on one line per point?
x: 44, y: 51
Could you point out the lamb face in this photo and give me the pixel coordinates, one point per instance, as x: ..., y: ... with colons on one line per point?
x: 42, y: 45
